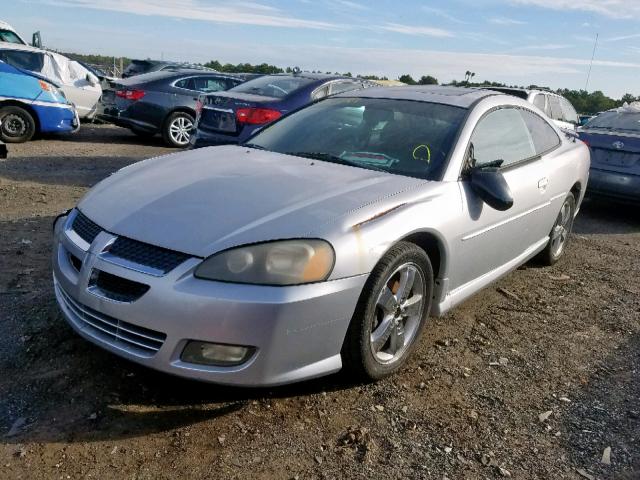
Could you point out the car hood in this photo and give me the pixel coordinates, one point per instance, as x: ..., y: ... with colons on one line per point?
x: 206, y: 200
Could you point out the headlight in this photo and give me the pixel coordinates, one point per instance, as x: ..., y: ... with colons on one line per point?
x: 49, y: 87
x: 284, y: 262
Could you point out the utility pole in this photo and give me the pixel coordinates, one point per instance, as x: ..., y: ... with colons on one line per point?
x: 593, y: 55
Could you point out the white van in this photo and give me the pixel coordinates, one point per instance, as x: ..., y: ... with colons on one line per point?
x: 9, y: 35
x: 557, y: 108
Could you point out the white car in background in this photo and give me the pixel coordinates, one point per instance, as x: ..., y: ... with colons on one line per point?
x: 557, y: 108
x: 79, y: 85
x: 9, y: 35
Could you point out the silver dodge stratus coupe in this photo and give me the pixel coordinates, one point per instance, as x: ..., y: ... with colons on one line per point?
x: 326, y: 242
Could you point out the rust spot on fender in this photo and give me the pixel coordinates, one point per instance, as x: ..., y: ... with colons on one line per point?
x: 376, y: 216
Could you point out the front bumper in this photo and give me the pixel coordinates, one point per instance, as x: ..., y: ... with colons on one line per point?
x: 297, y: 331
x: 56, y: 118
x: 619, y: 186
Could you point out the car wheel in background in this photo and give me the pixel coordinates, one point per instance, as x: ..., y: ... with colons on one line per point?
x: 390, y: 313
x: 143, y: 133
x: 177, y: 129
x: 559, y: 236
x: 17, y: 125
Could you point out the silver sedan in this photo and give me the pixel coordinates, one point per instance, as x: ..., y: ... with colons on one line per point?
x: 325, y: 242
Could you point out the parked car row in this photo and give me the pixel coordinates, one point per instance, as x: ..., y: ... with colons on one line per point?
x: 327, y: 241
x: 163, y: 102
x: 80, y: 86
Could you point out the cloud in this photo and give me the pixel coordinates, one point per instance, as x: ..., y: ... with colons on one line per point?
x: 244, y: 13
x: 546, y: 46
x: 505, y: 21
x: 350, y: 5
x: 438, y: 12
x: 417, y: 30
x: 621, y: 9
x: 621, y: 38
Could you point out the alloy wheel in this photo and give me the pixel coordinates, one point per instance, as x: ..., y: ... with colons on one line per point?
x: 560, y: 232
x: 397, y: 315
x: 180, y: 130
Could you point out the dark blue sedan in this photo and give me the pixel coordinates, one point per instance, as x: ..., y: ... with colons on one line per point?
x: 614, y: 139
x: 231, y: 117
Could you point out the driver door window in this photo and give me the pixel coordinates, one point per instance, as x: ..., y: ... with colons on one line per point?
x: 502, y: 135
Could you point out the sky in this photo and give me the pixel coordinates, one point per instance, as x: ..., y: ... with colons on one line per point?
x: 522, y: 42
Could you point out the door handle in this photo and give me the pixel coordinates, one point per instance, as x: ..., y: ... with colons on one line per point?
x: 543, y: 183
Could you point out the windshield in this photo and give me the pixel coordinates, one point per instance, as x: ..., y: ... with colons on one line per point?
x: 397, y: 136
x: 10, y: 37
x: 278, y: 86
x: 616, y: 121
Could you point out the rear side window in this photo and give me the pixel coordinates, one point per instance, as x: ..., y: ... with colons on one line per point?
x: 502, y: 135
x: 543, y: 135
x: 209, y: 84
x: 320, y: 93
x: 340, y: 87
x: 556, y: 108
x: 539, y: 102
x: 568, y: 112
x: 186, y: 83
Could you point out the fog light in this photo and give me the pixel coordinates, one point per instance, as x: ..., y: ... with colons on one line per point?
x: 215, y: 353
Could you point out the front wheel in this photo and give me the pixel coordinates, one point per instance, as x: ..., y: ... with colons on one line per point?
x: 559, y: 236
x: 390, y: 314
x: 177, y: 129
x: 16, y: 125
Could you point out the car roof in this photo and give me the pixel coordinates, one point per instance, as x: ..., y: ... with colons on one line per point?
x: 524, y: 90
x: 455, y: 96
x: 170, y: 74
x: 312, y: 76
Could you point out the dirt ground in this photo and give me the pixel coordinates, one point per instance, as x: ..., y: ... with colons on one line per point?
x: 471, y: 403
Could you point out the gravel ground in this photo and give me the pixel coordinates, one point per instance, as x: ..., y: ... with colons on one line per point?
x: 533, y: 378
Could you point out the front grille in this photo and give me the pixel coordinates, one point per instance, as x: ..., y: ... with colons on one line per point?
x: 117, y: 288
x: 157, y: 258
x: 85, y: 228
x: 122, y: 335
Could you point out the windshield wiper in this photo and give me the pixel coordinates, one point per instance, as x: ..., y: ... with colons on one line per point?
x: 328, y: 157
x: 253, y: 145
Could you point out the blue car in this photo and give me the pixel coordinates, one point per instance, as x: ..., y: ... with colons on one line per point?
x: 231, y: 117
x: 30, y: 104
x: 614, y: 140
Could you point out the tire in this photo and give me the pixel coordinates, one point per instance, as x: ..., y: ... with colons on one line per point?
x: 373, y: 348
x: 143, y: 133
x: 559, y: 235
x: 18, y: 125
x: 176, y: 131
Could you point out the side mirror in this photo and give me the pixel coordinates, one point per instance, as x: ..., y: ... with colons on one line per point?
x: 489, y: 184
x: 92, y: 79
x: 36, y: 40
